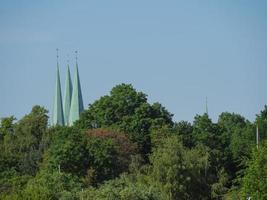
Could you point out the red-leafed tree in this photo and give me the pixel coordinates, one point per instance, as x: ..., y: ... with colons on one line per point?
x: 110, y: 153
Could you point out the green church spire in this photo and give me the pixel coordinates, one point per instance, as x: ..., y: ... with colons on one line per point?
x: 57, y: 117
x: 76, y: 100
x: 67, y: 97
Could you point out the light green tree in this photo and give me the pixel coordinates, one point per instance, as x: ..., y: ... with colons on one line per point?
x: 254, y: 183
x: 180, y: 173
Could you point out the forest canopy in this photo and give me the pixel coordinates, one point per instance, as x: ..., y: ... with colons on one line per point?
x: 124, y: 147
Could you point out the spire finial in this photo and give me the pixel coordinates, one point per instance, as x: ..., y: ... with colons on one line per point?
x: 76, y: 56
x: 57, y: 54
x: 68, y: 59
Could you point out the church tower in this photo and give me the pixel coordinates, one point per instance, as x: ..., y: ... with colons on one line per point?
x: 76, y: 100
x: 67, y: 96
x: 57, y: 118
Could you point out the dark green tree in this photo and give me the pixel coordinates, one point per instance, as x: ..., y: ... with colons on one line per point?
x: 185, y: 130
x: 20, y: 149
x: 128, y: 111
x: 236, y: 140
x: 208, y: 135
x: 68, y: 151
x: 21, y: 140
x: 261, y: 121
x: 28, y: 135
x: 238, y: 135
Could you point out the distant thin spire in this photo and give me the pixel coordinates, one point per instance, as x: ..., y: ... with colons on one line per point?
x: 57, y: 117
x: 207, y: 105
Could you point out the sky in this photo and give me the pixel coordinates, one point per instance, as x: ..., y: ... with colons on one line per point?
x: 177, y: 52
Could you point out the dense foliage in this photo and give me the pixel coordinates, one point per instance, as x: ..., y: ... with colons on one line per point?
x: 125, y: 148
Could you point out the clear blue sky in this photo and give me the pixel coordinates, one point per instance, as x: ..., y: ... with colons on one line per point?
x: 177, y: 52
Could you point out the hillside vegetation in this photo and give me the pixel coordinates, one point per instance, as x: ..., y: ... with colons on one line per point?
x: 124, y: 148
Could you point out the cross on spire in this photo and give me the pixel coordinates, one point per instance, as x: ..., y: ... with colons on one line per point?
x: 57, y: 54
x: 68, y: 60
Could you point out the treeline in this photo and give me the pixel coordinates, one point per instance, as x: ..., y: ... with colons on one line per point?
x: 124, y: 148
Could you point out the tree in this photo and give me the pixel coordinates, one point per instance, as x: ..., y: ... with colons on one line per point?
x: 205, y: 132
x: 110, y: 110
x: 68, y: 150
x: 20, y: 149
x: 109, y: 153
x: 212, y: 136
x: 124, y: 188
x: 261, y: 121
x: 236, y: 138
x: 94, y: 155
x: 185, y: 131
x: 7, y: 161
x: 219, y: 189
x: 6, y: 126
x: 254, y: 183
x: 52, y: 185
x: 180, y: 173
x: 20, y: 145
x: 128, y: 111
x: 28, y: 135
